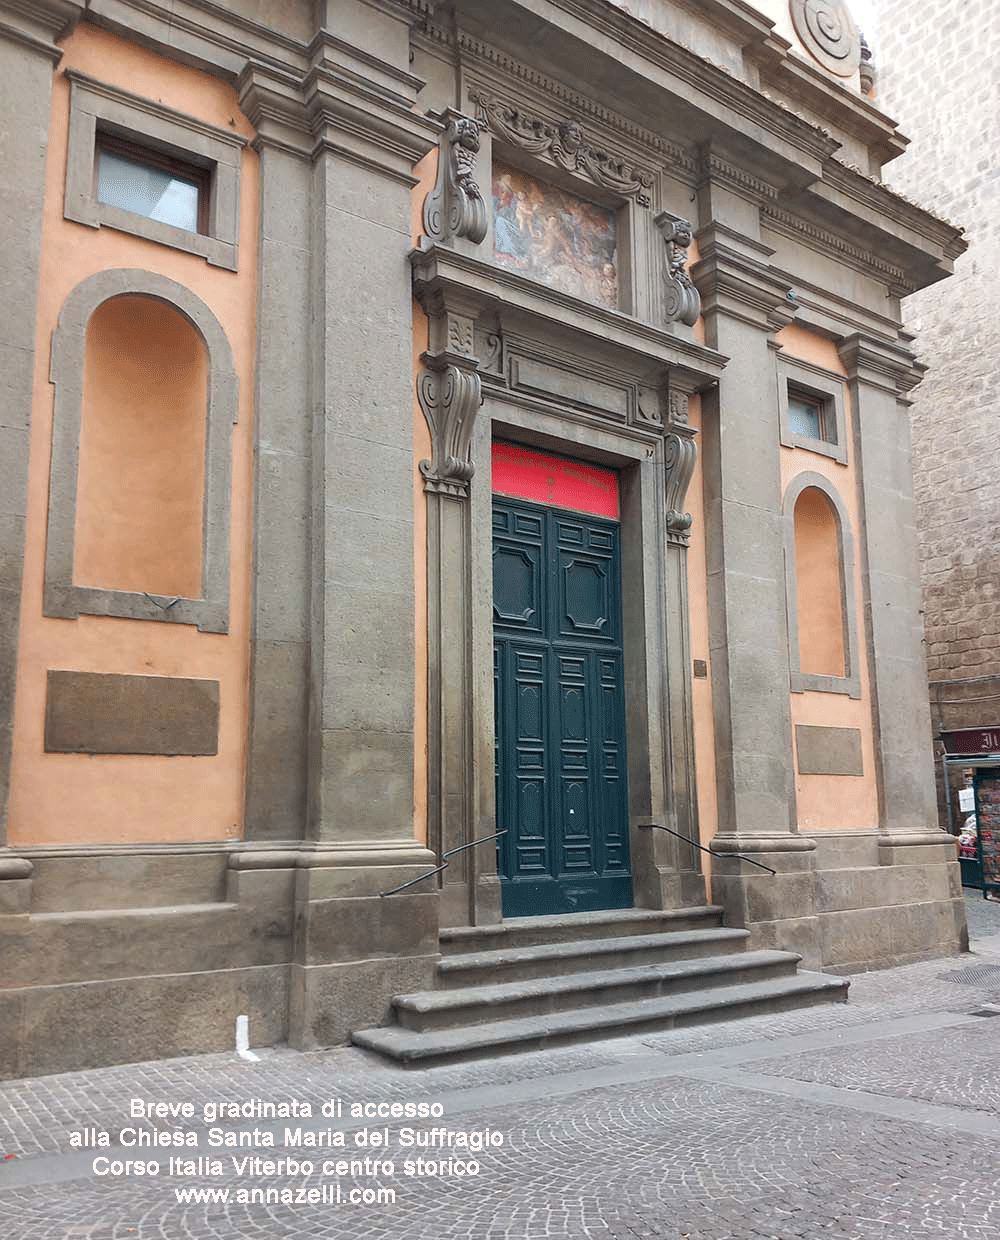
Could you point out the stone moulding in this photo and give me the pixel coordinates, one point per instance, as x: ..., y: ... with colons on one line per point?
x: 564, y: 144
x: 683, y: 301
x: 450, y: 393
x: 62, y: 597
x: 455, y: 206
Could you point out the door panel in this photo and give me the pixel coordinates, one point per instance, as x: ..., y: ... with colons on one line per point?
x: 559, y: 709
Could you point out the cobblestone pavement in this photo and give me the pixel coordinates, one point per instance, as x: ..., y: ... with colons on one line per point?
x: 875, y: 1119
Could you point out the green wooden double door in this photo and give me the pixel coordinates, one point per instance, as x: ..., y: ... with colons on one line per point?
x: 560, y: 718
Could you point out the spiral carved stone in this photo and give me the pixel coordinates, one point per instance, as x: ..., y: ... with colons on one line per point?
x: 829, y: 33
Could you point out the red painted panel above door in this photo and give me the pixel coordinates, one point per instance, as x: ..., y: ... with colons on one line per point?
x: 523, y: 473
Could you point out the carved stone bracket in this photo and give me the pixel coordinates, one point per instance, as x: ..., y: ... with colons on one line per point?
x: 455, y: 207
x: 683, y: 301
x: 680, y: 455
x: 565, y: 144
x: 450, y: 393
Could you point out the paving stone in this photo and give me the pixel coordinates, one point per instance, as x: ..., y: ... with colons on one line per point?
x: 647, y: 1138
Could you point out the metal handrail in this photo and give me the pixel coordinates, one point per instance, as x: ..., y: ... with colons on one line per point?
x: 444, y: 863
x: 655, y: 826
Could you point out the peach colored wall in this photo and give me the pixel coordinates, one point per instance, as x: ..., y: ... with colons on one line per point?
x: 817, y: 585
x: 426, y: 171
x: 69, y: 798
x: 701, y: 690
x: 142, y: 450
x: 833, y: 802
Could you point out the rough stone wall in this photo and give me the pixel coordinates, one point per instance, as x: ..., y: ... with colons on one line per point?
x: 938, y: 78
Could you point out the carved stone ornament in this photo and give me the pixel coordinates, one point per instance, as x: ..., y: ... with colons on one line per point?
x: 829, y: 34
x: 455, y: 207
x: 450, y: 393
x: 683, y: 301
x: 680, y: 455
x: 566, y: 145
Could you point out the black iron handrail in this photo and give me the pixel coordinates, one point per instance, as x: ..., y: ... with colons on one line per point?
x: 444, y: 863
x: 655, y: 826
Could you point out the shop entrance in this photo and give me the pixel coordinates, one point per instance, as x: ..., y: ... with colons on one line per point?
x: 561, y: 783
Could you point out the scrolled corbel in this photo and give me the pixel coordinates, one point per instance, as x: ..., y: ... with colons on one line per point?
x: 450, y: 393
x: 680, y: 454
x: 455, y: 206
x: 682, y: 300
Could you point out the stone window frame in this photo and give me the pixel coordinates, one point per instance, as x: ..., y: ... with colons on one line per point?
x: 64, y: 599
x: 97, y: 107
x: 803, y: 682
x: 622, y: 209
x: 814, y: 383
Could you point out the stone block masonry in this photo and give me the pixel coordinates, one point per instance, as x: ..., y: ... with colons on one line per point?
x: 937, y: 76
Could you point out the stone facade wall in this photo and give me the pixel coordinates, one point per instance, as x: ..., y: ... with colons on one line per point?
x: 937, y: 77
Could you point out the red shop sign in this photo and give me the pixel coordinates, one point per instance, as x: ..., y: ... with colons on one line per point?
x: 972, y: 741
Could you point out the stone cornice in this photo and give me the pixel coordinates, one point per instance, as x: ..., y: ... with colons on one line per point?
x: 826, y: 241
x: 889, y: 365
x: 697, y: 78
x: 202, y: 32
x: 38, y: 24
x: 890, y: 203
x: 734, y: 277
x: 441, y: 276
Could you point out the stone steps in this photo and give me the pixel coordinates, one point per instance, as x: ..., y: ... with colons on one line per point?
x: 550, y: 959
x: 478, y: 1005
x: 538, y: 981
x: 572, y: 927
x: 413, y: 1047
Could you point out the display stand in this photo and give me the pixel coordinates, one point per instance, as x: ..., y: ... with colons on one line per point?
x: 987, y: 789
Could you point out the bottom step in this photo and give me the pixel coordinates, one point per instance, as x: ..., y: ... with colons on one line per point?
x: 579, y: 1024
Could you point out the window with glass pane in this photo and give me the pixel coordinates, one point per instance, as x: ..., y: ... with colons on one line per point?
x: 807, y: 417
x: 152, y: 189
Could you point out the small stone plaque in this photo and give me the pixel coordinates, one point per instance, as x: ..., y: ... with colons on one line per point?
x: 828, y: 751
x: 99, y: 713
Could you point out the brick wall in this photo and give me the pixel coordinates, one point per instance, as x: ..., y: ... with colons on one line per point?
x: 937, y: 67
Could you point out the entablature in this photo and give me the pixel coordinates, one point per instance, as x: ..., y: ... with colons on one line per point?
x: 501, y: 302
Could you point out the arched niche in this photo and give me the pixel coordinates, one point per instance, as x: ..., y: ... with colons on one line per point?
x: 115, y: 404
x: 819, y: 578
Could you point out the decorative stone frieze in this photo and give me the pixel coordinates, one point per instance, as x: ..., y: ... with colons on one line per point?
x: 679, y: 456
x: 682, y: 302
x: 450, y: 393
x: 455, y: 206
x: 565, y: 144
x: 829, y: 34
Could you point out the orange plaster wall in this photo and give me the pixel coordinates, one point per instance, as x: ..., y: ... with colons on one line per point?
x: 426, y: 171
x: 69, y: 798
x: 141, y: 477
x: 833, y: 802
x: 701, y: 690
x: 817, y: 585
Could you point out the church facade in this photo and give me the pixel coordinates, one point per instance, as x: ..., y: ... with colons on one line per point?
x: 474, y: 429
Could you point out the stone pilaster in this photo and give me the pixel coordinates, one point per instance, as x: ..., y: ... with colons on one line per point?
x: 743, y: 305
x: 277, y: 748
x: 29, y: 52
x: 450, y: 393
x: 678, y: 864
x: 880, y: 376
x: 334, y: 531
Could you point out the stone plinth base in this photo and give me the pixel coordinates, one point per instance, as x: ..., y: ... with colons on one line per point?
x: 847, y: 902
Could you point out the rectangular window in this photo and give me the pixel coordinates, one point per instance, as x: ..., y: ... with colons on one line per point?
x: 810, y: 418
x: 155, y: 186
x: 140, y: 167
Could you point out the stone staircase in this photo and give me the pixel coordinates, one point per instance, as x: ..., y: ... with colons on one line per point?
x: 541, y: 981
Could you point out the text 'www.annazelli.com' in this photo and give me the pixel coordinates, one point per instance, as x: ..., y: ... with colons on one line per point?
x: 326, y: 1194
